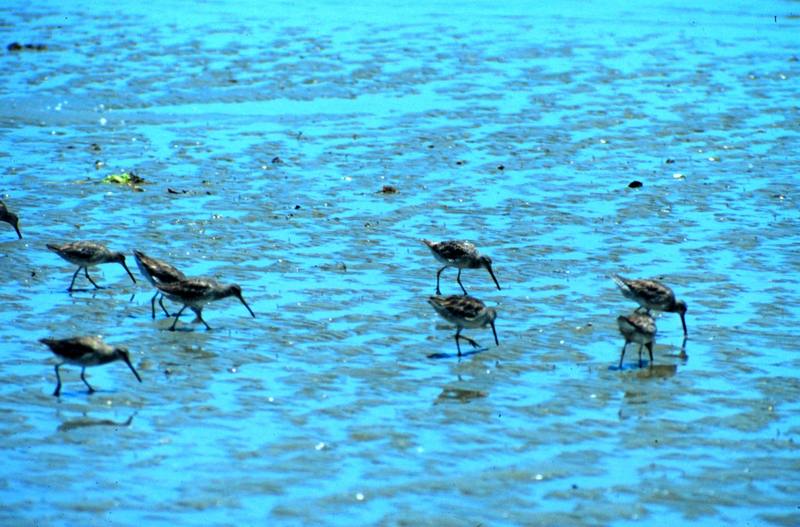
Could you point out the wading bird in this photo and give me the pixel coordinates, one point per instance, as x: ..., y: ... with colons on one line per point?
x: 195, y: 293
x: 637, y: 327
x: 464, y: 311
x: 652, y: 295
x: 459, y: 254
x: 85, y: 254
x: 85, y: 352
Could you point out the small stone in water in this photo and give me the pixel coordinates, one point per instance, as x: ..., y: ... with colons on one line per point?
x: 635, y: 184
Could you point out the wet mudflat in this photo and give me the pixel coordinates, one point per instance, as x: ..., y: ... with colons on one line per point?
x: 264, y: 139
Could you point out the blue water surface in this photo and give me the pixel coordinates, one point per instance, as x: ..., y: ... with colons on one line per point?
x: 266, y: 133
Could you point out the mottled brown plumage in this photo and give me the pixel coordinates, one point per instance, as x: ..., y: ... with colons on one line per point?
x: 652, y: 294
x: 156, y: 272
x: 195, y: 293
x: 84, y: 352
x: 85, y: 254
x: 459, y: 254
x: 464, y: 311
x: 637, y: 327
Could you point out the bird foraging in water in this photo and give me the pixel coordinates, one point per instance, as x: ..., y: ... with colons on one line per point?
x: 465, y: 311
x: 195, y: 293
x: 157, y: 272
x: 637, y: 327
x: 84, y: 352
x: 459, y: 254
x: 652, y: 295
x: 84, y: 254
x: 10, y: 218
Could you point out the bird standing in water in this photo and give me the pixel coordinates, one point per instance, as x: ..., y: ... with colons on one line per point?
x: 84, y: 352
x: 195, y: 293
x: 459, y: 254
x: 652, y: 295
x: 637, y: 327
x: 157, y: 272
x: 465, y: 311
x: 85, y: 254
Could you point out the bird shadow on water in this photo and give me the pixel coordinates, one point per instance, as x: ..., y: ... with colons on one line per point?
x: 648, y: 371
x: 185, y: 329
x: 85, y: 422
x: 456, y: 355
x: 84, y: 290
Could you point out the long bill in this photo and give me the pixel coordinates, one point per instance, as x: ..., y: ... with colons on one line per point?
x: 491, y: 273
x: 497, y: 342
x: 128, y: 362
x: 129, y: 272
x: 683, y: 321
x: 248, y: 307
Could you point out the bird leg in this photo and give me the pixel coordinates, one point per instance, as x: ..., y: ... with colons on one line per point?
x: 83, y: 372
x: 153, y: 304
x: 177, y: 315
x: 438, y: 292
x: 650, y: 351
x: 458, y: 279
x: 58, y: 386
x: 161, y: 303
x: 640, y: 355
x: 86, y: 272
x: 199, y: 313
x: 73, y: 278
x: 460, y: 336
x: 622, y: 354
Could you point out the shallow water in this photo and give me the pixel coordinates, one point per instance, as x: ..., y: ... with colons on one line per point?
x: 265, y: 135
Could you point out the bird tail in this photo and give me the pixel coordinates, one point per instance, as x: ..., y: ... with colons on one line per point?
x: 429, y: 243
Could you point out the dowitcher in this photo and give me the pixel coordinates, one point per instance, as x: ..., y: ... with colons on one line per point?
x: 85, y: 254
x: 637, y: 327
x: 85, y: 352
x: 195, y: 293
x: 465, y: 311
x: 652, y: 294
x: 459, y: 254
x: 157, y: 272
x: 10, y: 218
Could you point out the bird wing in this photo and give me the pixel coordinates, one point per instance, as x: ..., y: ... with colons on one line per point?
x: 455, y: 250
x: 459, y: 305
x: 82, y: 250
x: 73, y: 348
x: 189, y: 287
x: 654, y: 292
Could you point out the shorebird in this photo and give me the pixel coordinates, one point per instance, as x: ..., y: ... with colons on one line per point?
x: 637, y: 327
x: 10, y: 218
x: 84, y: 254
x: 157, y: 272
x: 195, y: 293
x: 465, y: 312
x: 459, y: 254
x: 652, y: 294
x: 85, y: 352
